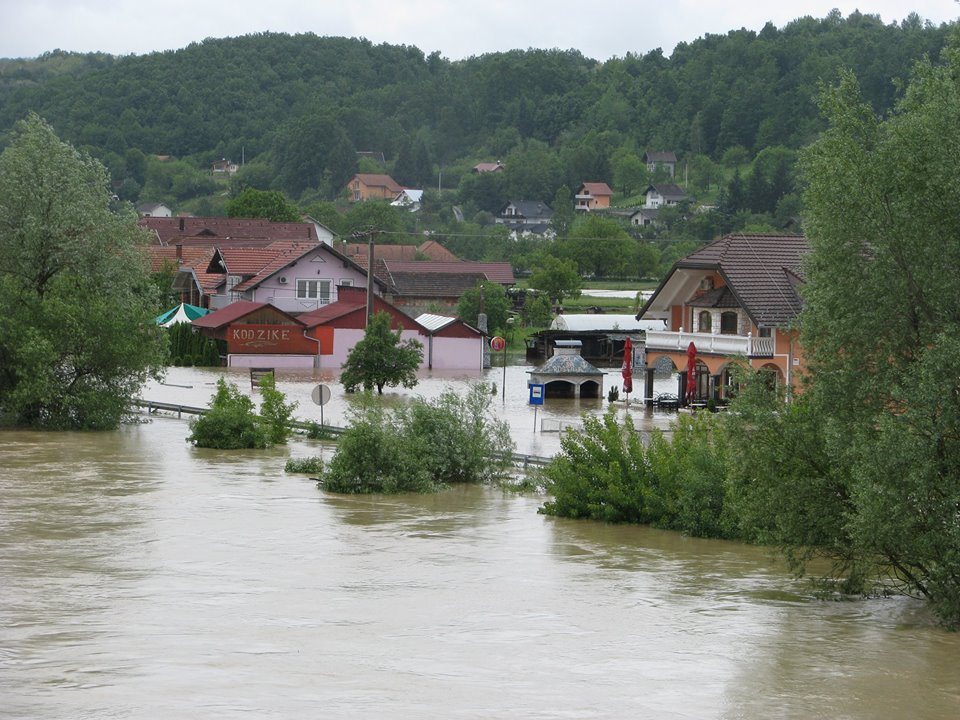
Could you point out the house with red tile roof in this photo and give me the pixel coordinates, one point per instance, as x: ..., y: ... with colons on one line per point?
x: 593, y: 196
x: 293, y: 276
x: 734, y: 299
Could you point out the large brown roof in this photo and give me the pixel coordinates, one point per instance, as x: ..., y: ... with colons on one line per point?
x: 498, y: 272
x: 219, y: 230
x: 763, y: 272
x: 434, y: 285
x: 385, y: 181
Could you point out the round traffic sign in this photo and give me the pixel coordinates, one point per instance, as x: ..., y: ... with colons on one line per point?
x: 497, y: 343
x: 321, y: 394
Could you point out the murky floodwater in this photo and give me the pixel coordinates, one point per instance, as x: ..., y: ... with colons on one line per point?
x: 143, y: 578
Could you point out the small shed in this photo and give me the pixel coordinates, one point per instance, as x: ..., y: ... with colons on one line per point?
x: 567, y: 374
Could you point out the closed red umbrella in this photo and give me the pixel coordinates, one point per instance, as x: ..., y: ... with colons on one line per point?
x: 691, y: 372
x: 627, y: 369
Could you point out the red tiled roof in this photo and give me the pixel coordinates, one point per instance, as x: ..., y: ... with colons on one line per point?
x: 597, y: 189
x: 226, y: 315
x: 431, y: 248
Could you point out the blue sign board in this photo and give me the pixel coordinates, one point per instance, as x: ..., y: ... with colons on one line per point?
x: 536, y: 394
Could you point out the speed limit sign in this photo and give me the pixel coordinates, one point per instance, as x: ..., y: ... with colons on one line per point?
x: 497, y: 343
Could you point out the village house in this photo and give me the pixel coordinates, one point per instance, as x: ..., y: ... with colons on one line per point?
x: 364, y: 186
x: 200, y: 251
x: 734, y: 299
x: 663, y: 195
x: 593, y: 196
x: 525, y: 217
x: 661, y: 159
x: 149, y: 209
x: 486, y: 167
x: 224, y: 166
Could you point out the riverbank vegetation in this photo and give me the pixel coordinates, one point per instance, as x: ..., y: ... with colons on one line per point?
x: 421, y: 446
x: 232, y: 423
x: 862, y: 468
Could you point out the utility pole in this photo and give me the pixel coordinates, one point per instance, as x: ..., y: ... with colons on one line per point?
x: 370, y: 277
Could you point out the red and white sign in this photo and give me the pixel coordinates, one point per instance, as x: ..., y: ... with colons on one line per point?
x: 497, y: 343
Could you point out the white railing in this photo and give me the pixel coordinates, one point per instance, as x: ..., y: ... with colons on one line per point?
x: 710, y: 343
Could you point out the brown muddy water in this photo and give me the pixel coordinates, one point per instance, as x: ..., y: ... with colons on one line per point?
x: 143, y: 578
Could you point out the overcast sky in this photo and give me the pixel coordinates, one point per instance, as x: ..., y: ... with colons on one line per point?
x: 458, y: 29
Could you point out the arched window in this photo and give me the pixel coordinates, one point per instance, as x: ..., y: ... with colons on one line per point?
x: 705, y: 321
x: 728, y: 323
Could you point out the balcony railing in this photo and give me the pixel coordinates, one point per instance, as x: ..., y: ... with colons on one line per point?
x: 747, y: 345
x: 285, y: 300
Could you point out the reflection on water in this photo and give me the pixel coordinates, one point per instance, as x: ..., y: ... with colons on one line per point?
x: 142, y: 578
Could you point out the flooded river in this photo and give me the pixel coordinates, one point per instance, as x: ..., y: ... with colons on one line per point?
x: 143, y: 578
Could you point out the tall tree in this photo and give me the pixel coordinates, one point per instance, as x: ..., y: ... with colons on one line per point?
x: 77, y: 337
x: 267, y: 204
x: 879, y: 461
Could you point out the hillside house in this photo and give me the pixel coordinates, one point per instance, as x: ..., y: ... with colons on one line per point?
x: 655, y: 159
x: 736, y: 298
x: 525, y: 216
x: 593, y: 196
x: 486, y: 167
x: 363, y: 186
x: 663, y: 195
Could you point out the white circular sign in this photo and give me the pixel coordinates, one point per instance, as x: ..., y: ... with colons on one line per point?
x: 321, y: 394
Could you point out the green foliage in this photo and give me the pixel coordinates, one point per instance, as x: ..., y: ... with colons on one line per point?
x: 869, y: 452
x: 557, y: 278
x: 599, y: 473
x: 382, y: 358
x: 312, y: 465
x: 537, y: 311
x: 267, y: 204
x: 190, y: 348
x: 421, y: 447
x: 496, y: 305
x: 605, y: 473
x: 275, y: 412
x: 230, y: 423
x: 77, y: 305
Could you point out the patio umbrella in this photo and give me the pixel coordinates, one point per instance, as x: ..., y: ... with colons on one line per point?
x: 691, y: 372
x: 627, y: 370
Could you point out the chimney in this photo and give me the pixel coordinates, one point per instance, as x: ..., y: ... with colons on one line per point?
x: 179, y: 247
x: 182, y: 223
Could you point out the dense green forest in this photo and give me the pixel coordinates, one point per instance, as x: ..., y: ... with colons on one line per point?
x: 295, y: 110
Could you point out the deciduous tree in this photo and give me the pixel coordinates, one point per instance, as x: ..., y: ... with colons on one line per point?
x: 382, y: 358
x: 77, y: 306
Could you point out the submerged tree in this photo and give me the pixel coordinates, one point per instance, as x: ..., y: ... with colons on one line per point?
x: 382, y: 358
x: 77, y: 305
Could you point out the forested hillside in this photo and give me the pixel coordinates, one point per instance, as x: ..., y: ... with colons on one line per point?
x: 296, y: 109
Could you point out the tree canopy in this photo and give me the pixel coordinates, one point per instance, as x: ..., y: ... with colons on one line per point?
x: 77, y: 336
x: 871, y: 449
x: 382, y: 358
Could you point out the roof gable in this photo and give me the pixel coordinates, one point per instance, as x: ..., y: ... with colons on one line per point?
x: 763, y: 273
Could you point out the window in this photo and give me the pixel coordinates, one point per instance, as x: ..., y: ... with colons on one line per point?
x: 728, y: 323
x: 705, y: 321
x: 318, y: 290
x: 232, y: 282
x: 345, y: 282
